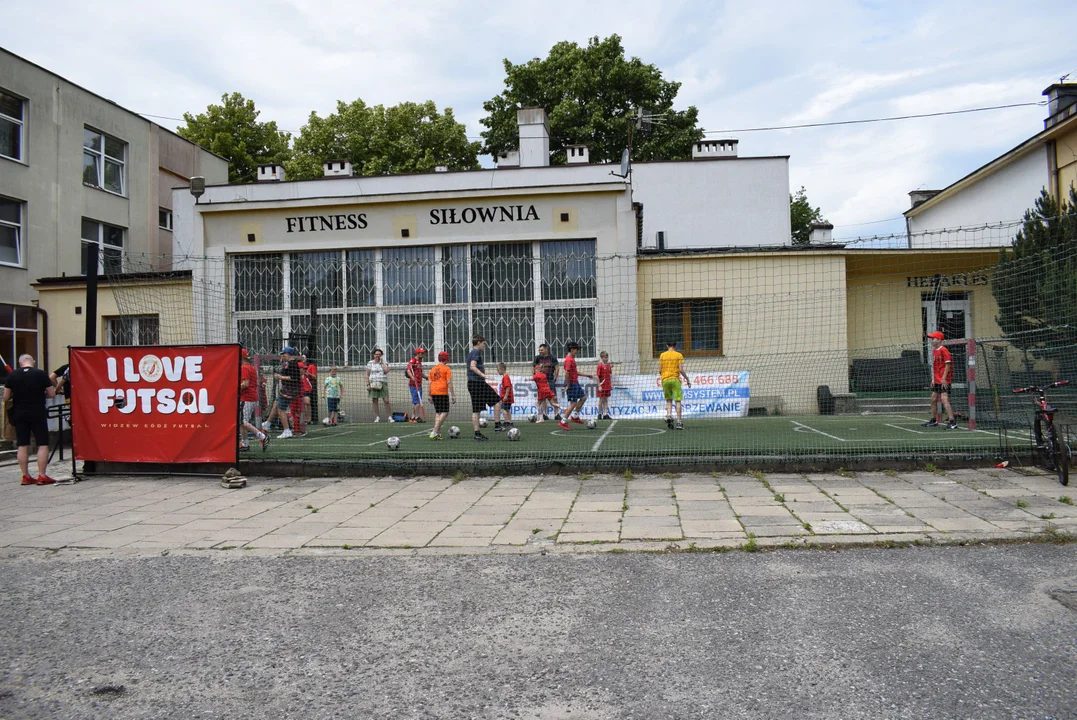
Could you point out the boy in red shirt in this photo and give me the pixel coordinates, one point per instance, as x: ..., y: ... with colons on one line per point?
x: 414, y: 373
x: 942, y: 376
x: 546, y: 396
x: 508, y: 397
x: 248, y: 399
x: 573, y: 391
x: 604, y: 376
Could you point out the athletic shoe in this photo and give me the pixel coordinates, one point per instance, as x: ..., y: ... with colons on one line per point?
x: 45, y: 480
x: 244, y: 446
x: 27, y: 480
x: 266, y: 426
x: 285, y: 435
x: 419, y: 420
x: 678, y: 426
x: 952, y: 425
x: 436, y: 436
x: 669, y: 421
x: 299, y: 434
x: 557, y: 417
x: 265, y: 441
x: 563, y: 425
x: 930, y: 423
x: 479, y: 437
x: 498, y: 427
x: 575, y: 419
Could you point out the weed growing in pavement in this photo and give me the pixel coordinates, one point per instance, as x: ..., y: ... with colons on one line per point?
x: 931, y: 468
x: 310, y: 507
x: 345, y: 547
x: 807, y: 526
x: 314, y: 510
x: 371, y: 504
x: 536, y: 531
x: 1022, y: 504
x: 758, y: 475
x: 458, y: 477
x: 584, y: 476
x: 628, y: 474
x: 670, y: 475
x: 779, y: 497
x: 624, y: 507
x: 267, y: 490
x: 846, y: 473
x: 890, y: 473
x: 1048, y: 516
x: 1066, y: 500
x: 164, y: 553
x: 751, y: 545
x: 248, y: 547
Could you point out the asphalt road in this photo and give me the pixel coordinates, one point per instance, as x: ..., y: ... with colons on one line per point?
x: 910, y: 633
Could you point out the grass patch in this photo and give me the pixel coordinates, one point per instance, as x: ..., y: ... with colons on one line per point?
x: 751, y: 545
x: 584, y: 476
x: 346, y: 547
x: 628, y: 474
x: 779, y: 497
x: 1066, y: 500
x: 1022, y: 504
x: 458, y: 476
x: 807, y: 526
x: 1048, y: 516
x: 670, y: 475
x: 846, y: 473
x: 890, y: 473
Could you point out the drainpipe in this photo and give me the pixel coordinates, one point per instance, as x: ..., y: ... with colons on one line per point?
x: 45, y: 335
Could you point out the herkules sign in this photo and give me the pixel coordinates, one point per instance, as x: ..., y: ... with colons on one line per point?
x: 963, y: 280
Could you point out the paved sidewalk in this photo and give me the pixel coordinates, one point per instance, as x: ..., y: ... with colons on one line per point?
x: 552, y: 513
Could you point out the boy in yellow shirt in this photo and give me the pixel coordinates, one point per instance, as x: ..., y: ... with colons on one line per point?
x: 670, y: 372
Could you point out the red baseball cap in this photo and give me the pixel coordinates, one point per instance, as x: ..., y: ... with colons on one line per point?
x: 936, y: 335
x: 246, y: 355
x: 443, y: 356
x: 419, y: 350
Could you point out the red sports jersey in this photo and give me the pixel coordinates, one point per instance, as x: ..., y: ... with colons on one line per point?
x: 604, y: 375
x: 944, y: 374
x: 543, y: 385
x: 415, y: 366
x: 249, y: 393
x: 508, y: 397
x: 572, y: 373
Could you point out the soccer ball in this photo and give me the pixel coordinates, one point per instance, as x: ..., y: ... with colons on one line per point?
x: 533, y: 417
x: 325, y: 420
x: 482, y: 422
x: 454, y: 432
x: 592, y: 424
x: 393, y: 442
x: 514, y: 434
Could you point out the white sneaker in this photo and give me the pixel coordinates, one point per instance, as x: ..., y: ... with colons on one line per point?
x: 391, y: 419
x: 266, y: 426
x: 285, y: 435
x: 377, y: 418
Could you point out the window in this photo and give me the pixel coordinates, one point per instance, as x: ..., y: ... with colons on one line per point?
x: 564, y: 325
x: 510, y: 333
x: 362, y: 269
x: 18, y: 333
x: 329, y: 345
x: 261, y: 336
x: 454, y: 274
x: 409, y: 276
x: 317, y: 276
x: 502, y: 273
x: 132, y: 330
x: 695, y: 325
x: 259, y: 282
x: 102, y: 161
x: 362, y: 337
x: 404, y: 333
x: 568, y: 270
x: 457, y: 334
x: 109, y: 240
x: 164, y: 219
x: 10, y: 232
x: 11, y: 125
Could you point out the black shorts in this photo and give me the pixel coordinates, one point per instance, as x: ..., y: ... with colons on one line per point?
x: 441, y: 403
x: 34, y: 425
x: 482, y: 395
x: 940, y: 389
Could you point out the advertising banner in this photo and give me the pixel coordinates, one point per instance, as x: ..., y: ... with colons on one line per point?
x: 155, y: 404
x: 640, y: 397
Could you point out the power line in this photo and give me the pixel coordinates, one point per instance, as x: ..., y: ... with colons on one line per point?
x: 874, y: 120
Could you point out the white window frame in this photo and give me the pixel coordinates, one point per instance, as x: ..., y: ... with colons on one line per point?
x: 102, y: 158
x: 19, y: 233
x: 135, y: 321
x: 19, y: 123
x: 101, y: 244
x: 168, y: 218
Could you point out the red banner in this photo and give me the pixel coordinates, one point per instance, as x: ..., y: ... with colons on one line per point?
x: 155, y: 404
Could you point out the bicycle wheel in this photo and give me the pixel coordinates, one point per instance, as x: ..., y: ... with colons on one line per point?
x: 1044, y: 445
x: 1059, y: 460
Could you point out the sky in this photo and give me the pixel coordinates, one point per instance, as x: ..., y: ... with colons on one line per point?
x: 743, y: 64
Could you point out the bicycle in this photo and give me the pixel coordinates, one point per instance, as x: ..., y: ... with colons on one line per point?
x: 1053, y: 451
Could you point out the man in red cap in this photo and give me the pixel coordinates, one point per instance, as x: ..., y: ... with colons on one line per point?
x: 415, y: 375
x: 941, y: 378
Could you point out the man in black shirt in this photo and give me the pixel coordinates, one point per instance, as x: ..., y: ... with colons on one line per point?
x: 27, y: 389
x: 546, y: 363
x: 288, y: 391
x: 61, y: 378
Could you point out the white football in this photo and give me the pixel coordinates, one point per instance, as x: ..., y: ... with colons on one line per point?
x: 393, y: 442
x: 454, y: 432
x: 592, y: 423
x: 325, y: 421
x: 514, y: 434
x: 482, y: 422
x: 532, y: 417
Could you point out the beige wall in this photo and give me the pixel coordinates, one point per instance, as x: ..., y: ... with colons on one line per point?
x: 170, y: 301
x: 1066, y: 162
x: 783, y: 318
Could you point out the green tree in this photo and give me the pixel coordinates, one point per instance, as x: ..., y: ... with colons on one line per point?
x: 590, y: 95
x: 801, y: 216
x: 232, y: 130
x: 378, y: 140
x: 1035, y: 282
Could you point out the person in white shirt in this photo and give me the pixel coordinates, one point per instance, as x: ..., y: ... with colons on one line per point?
x: 377, y: 384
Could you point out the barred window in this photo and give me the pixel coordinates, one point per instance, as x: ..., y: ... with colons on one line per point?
x: 568, y: 270
x: 454, y: 274
x: 403, y: 333
x: 362, y: 278
x: 510, y: 332
x: 132, y: 330
x: 409, y: 276
x: 502, y: 272
x: 564, y: 325
x: 328, y: 347
x: 362, y: 337
x: 260, y: 336
x: 259, y: 282
x: 317, y: 275
x: 694, y: 325
x: 457, y: 334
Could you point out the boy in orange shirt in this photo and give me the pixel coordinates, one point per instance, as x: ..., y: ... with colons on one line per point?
x: 441, y: 391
